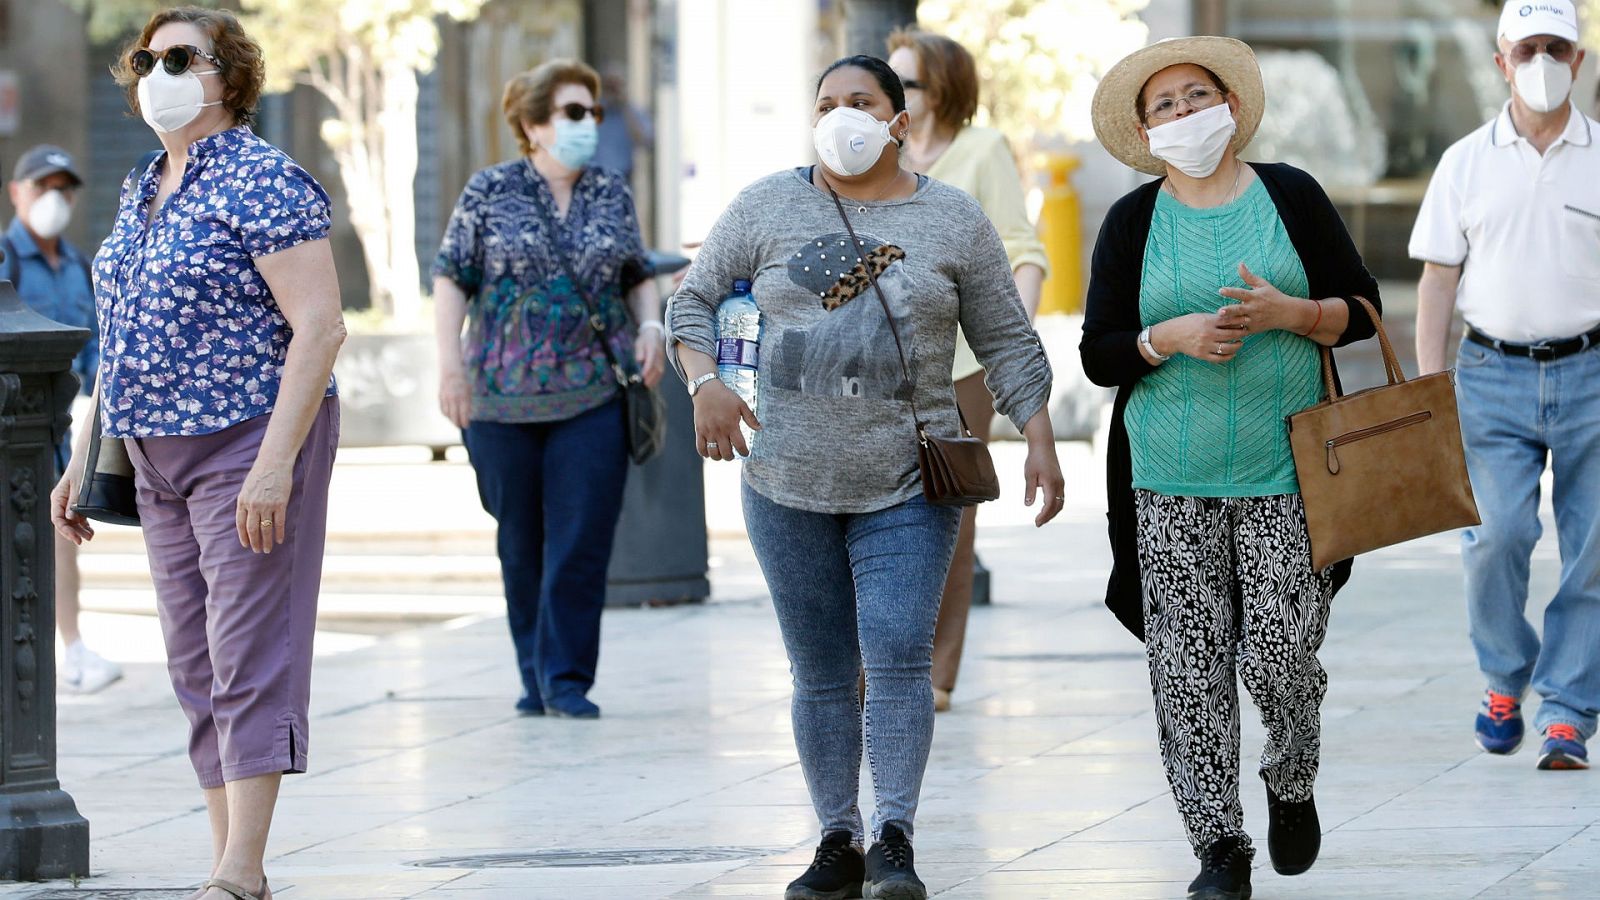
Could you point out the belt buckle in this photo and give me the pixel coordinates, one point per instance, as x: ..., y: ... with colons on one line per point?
x: 1542, y: 351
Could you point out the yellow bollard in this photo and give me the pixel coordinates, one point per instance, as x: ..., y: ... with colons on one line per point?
x: 1061, y: 230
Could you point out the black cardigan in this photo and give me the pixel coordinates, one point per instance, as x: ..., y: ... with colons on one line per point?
x: 1111, y: 327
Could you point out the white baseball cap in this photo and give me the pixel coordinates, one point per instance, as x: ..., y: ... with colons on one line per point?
x: 1526, y: 18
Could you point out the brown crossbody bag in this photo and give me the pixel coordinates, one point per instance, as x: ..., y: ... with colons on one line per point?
x: 956, y: 471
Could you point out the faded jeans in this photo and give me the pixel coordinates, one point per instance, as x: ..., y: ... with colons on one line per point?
x: 1515, y: 414
x: 854, y: 591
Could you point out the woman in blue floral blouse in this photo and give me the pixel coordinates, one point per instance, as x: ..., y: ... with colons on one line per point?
x: 219, y: 319
x: 533, y: 245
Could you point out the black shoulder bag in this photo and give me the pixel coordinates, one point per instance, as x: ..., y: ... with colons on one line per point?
x: 105, y: 487
x: 955, y: 471
x: 644, y: 411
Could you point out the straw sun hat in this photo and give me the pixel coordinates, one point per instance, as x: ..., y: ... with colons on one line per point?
x: 1116, y: 120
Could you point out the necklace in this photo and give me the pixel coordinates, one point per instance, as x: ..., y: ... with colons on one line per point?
x: 1233, y: 192
x: 861, y: 205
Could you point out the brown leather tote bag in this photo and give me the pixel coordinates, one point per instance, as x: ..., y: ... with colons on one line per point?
x: 1383, y: 465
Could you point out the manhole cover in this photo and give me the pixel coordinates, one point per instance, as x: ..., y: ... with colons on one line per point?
x: 114, y: 894
x: 576, y: 859
x: 1066, y: 657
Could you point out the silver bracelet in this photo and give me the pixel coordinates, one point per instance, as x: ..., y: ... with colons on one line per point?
x: 653, y: 323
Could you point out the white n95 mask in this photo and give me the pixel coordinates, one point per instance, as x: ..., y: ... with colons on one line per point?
x: 169, y: 102
x: 850, y: 141
x: 1543, y: 83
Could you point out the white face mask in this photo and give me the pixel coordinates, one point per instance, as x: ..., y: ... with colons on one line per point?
x: 169, y: 102
x: 850, y: 141
x: 49, y: 214
x: 1194, y: 144
x: 1543, y: 83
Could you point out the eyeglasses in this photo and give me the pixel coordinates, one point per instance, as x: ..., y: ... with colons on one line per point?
x: 1560, y: 49
x: 176, y: 59
x: 576, y: 112
x: 1197, y: 99
x: 911, y: 84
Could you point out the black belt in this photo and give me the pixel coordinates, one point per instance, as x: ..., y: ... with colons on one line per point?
x: 1544, y: 351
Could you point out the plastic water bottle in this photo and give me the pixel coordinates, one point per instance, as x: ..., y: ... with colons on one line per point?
x: 739, y: 348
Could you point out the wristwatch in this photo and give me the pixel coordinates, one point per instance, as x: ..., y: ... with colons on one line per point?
x: 1144, y: 341
x: 694, y: 385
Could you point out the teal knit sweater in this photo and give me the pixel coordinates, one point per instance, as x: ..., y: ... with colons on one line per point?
x: 1200, y: 429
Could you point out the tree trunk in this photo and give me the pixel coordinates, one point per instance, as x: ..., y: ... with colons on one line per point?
x: 398, y: 145
x: 374, y: 142
x: 868, y: 23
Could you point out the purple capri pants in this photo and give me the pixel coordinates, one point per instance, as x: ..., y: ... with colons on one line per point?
x: 238, y: 625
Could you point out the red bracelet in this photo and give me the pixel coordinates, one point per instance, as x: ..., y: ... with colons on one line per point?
x: 1314, y: 325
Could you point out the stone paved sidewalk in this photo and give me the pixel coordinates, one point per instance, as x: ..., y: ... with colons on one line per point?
x: 1044, y: 783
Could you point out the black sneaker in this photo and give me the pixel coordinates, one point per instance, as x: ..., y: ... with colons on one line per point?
x: 1224, y: 871
x: 890, y: 875
x: 1294, y: 835
x: 835, y: 872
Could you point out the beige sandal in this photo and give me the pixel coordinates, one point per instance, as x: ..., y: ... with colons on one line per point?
x: 233, y: 890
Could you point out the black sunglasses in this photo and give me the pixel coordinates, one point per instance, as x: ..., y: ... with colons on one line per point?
x: 576, y: 112
x: 176, y: 59
x: 911, y: 84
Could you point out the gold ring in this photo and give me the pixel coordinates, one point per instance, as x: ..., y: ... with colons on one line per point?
x: 266, y: 523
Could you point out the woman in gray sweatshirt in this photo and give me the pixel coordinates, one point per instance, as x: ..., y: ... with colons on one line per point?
x: 854, y: 556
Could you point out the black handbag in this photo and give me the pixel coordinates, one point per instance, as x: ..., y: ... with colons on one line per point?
x: 105, y: 487
x: 644, y: 410
x: 956, y: 471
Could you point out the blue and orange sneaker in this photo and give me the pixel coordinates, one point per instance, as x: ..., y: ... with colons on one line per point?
x: 1499, y: 725
x: 1563, y: 749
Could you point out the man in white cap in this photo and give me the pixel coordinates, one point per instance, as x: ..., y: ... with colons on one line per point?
x: 1509, y: 233
x: 52, y: 278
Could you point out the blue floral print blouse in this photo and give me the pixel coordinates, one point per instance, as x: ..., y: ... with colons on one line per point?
x: 530, y: 352
x: 192, y: 341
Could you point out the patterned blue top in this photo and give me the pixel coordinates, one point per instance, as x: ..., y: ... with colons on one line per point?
x: 192, y: 339
x: 530, y: 353
x: 61, y: 293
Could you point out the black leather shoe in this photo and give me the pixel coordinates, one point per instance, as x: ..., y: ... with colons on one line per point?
x: 1294, y: 834
x: 890, y: 875
x: 835, y: 874
x: 1224, y: 871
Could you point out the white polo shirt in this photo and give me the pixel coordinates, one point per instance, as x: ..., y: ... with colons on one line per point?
x: 1524, y: 228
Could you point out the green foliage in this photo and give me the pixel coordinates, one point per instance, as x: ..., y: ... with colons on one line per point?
x: 1039, y: 60
x: 297, y: 35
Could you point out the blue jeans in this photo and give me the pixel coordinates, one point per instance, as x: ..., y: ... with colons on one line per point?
x: 555, y: 490
x: 853, y: 591
x: 1516, y: 413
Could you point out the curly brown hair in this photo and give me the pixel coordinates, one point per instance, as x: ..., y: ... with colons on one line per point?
x: 529, y: 97
x: 244, y: 70
x: 947, y: 71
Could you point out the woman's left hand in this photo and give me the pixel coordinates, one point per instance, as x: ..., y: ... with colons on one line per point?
x: 649, y: 352
x: 263, y: 505
x: 1043, y: 473
x: 1262, y: 307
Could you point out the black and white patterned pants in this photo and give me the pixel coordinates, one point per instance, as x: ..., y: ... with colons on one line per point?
x: 1228, y: 588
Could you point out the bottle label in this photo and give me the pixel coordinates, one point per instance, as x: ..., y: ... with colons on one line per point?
x: 736, y: 352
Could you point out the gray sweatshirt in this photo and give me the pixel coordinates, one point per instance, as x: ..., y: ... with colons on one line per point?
x: 838, y: 434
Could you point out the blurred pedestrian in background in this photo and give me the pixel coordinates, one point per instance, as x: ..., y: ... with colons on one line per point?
x: 854, y: 555
x: 941, y: 84
x: 626, y: 130
x: 1509, y: 234
x: 1210, y: 291
x: 220, y: 320
x: 53, y: 279
x: 542, y: 260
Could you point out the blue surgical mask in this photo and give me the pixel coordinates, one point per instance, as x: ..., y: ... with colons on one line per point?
x: 575, y: 142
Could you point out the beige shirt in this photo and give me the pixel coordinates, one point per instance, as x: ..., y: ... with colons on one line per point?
x: 979, y: 161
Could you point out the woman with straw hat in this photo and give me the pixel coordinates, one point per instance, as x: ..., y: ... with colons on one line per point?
x: 1210, y: 290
